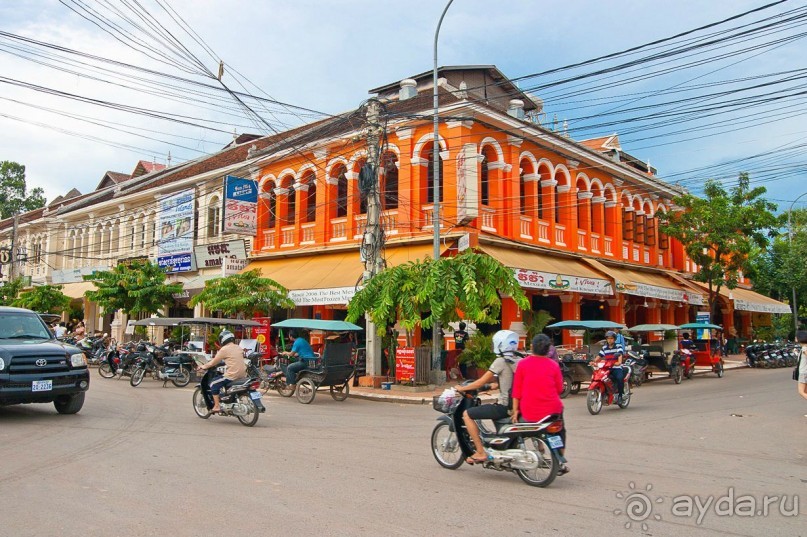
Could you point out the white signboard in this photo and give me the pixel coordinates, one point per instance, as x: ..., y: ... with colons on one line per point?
x: 212, y: 255
x: 175, y: 223
x: 319, y: 297
x: 745, y: 305
x: 59, y: 277
x: 467, y: 184
x: 534, y: 279
x: 663, y: 293
x: 232, y: 265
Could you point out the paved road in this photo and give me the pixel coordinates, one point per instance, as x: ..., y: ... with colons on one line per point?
x: 137, y: 461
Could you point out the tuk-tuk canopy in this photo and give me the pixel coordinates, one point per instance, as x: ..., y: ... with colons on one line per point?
x: 318, y: 324
x: 700, y: 326
x: 586, y: 325
x: 653, y: 328
x: 177, y: 321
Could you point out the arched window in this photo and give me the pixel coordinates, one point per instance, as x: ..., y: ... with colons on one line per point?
x: 310, y: 197
x: 557, y: 205
x: 291, y: 202
x: 430, y: 178
x: 484, y: 182
x: 522, y: 193
x: 271, y: 204
x: 214, y: 217
x: 341, y: 192
x: 389, y: 197
x: 356, y: 190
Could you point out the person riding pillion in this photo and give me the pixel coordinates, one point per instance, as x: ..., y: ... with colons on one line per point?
x: 505, y: 345
x: 612, y: 354
x: 234, y: 367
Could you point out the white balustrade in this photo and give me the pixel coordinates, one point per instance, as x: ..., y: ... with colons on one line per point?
x: 543, y: 231
x: 560, y: 235
x: 526, y: 227
x: 595, y: 243
x: 582, y: 236
x: 609, y: 246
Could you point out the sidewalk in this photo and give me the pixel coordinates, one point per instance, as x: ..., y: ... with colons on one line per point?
x: 422, y: 395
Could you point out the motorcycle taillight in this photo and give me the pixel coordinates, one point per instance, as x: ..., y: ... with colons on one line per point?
x: 555, y: 427
x: 255, y: 385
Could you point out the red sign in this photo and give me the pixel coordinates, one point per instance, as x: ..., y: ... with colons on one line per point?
x: 261, y: 333
x: 405, y: 364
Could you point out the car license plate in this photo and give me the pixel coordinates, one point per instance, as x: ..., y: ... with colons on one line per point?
x: 255, y: 395
x: 42, y: 386
x: 555, y: 442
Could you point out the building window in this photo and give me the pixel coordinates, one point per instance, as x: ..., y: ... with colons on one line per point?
x: 522, y: 194
x: 214, y: 218
x: 639, y: 235
x: 650, y: 232
x: 271, y: 205
x: 390, y: 191
x: 430, y: 179
x: 484, y: 185
x: 627, y: 225
x: 341, y: 193
x: 311, y: 198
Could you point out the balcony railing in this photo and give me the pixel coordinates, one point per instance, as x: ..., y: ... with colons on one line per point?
x: 308, y: 233
x: 646, y: 256
x: 582, y: 237
x: 428, y: 215
x: 609, y: 246
x: 287, y: 234
x: 543, y: 231
x: 526, y: 227
x: 560, y: 235
x: 360, y: 223
x: 488, y: 219
x: 595, y: 243
x: 625, y: 250
x: 339, y: 229
x: 636, y: 254
x: 389, y: 221
x: 268, y: 239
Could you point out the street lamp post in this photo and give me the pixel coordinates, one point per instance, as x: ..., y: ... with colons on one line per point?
x: 437, y: 346
x: 790, y: 243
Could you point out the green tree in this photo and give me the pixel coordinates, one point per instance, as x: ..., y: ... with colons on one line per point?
x: 44, y: 299
x: 417, y: 293
x: 9, y: 291
x: 136, y: 288
x: 720, y: 231
x: 14, y: 196
x: 247, y: 293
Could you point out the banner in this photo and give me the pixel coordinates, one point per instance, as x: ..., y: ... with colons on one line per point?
x: 405, y: 364
x: 320, y: 297
x: 213, y: 255
x: 175, y: 245
x: 240, y: 205
x: 534, y: 279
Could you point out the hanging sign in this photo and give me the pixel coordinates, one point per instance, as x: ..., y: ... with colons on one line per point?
x: 240, y: 205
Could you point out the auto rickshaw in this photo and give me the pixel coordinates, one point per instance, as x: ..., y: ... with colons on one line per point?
x: 662, y: 356
x: 575, y: 360
x: 707, y: 351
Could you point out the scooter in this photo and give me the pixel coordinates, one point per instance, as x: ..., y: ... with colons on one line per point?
x: 240, y: 399
x: 602, y: 391
x: 638, y: 365
x: 528, y: 449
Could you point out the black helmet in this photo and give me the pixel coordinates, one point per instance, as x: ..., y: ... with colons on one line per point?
x: 226, y: 337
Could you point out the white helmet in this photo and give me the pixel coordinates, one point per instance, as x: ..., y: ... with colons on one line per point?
x: 505, y: 342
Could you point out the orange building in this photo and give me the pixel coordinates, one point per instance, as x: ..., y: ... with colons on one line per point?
x: 577, y: 221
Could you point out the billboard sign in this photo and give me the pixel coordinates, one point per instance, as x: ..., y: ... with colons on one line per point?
x: 240, y: 205
x: 175, y: 245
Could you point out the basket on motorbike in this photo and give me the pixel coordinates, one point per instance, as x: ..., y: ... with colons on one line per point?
x: 446, y: 402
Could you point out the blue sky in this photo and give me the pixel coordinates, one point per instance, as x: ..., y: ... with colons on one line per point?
x: 326, y: 55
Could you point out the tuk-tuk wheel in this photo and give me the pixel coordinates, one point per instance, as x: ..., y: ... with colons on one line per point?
x: 719, y: 369
x: 340, y: 393
x: 306, y: 391
x: 567, y: 386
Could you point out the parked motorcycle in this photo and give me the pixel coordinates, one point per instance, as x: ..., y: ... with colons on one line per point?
x: 241, y: 399
x: 638, y: 366
x: 528, y: 449
x: 271, y: 376
x: 602, y: 390
x: 176, y: 368
x: 119, y: 360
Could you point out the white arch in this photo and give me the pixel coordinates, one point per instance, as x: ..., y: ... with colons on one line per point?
x: 288, y: 171
x: 488, y: 140
x: 527, y: 155
x: 336, y: 161
x: 585, y: 179
x: 649, y: 211
x: 305, y: 168
x: 595, y: 182
x: 563, y: 171
x: 545, y: 162
x: 356, y: 157
x: 627, y: 195
x: 609, y: 188
x: 265, y: 179
x: 661, y: 208
x: 425, y: 139
x: 395, y: 149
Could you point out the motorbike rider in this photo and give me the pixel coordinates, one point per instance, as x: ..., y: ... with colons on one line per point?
x: 537, y: 386
x: 302, y: 351
x: 233, y: 357
x: 686, y: 343
x: 612, y: 354
x: 505, y: 345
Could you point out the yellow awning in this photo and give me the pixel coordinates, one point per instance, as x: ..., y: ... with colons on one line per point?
x: 542, y: 271
x: 646, y: 284
x: 329, y: 278
x: 77, y: 289
x: 748, y: 300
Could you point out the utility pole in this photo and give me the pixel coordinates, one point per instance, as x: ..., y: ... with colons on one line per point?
x: 12, y: 269
x: 373, y: 237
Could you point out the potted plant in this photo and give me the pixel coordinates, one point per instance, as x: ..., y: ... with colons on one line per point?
x: 478, y: 354
x: 535, y: 322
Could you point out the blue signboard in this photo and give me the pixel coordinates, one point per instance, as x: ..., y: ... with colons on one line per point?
x: 240, y: 205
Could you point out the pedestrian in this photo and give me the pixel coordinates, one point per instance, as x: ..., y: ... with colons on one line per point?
x: 460, y: 339
x: 801, y: 336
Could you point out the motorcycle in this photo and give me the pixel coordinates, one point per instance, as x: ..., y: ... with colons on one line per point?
x: 241, y: 399
x: 638, y: 366
x: 118, y: 361
x: 271, y: 376
x: 175, y: 367
x: 528, y: 449
x: 602, y: 390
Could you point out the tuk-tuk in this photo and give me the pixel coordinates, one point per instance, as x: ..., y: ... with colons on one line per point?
x: 707, y: 351
x: 661, y: 355
x: 575, y: 359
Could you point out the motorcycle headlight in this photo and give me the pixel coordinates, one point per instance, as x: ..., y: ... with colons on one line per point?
x: 77, y: 360
x: 2, y: 364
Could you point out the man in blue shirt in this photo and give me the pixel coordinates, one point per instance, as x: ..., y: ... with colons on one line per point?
x: 612, y: 354
x: 300, y: 350
x: 620, y: 339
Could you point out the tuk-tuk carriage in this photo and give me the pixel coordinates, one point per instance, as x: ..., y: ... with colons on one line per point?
x: 575, y: 359
x: 707, y: 350
x: 662, y: 356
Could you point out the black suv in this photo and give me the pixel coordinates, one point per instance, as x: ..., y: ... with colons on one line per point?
x: 37, y: 368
